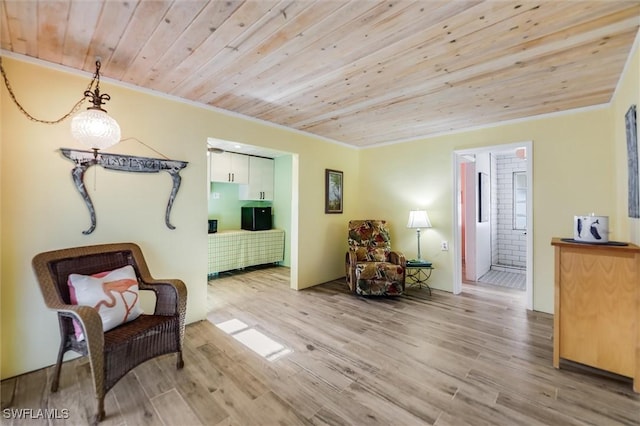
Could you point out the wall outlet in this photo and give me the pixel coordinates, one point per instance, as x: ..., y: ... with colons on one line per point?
x: 444, y: 246
x: 215, y: 195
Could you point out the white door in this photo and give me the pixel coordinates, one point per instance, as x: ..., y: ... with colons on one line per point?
x: 468, y: 200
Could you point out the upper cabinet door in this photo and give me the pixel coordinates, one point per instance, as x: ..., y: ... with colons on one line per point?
x: 240, y: 168
x: 229, y: 167
x: 260, y: 187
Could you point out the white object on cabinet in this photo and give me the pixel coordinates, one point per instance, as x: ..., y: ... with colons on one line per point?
x: 260, y: 187
x: 229, y: 167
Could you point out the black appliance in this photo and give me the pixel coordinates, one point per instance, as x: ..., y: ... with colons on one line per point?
x: 213, y: 226
x: 256, y: 218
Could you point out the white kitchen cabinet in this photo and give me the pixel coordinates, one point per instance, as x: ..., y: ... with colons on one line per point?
x: 260, y: 186
x: 229, y: 167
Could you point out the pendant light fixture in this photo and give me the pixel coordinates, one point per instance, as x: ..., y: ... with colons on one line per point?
x: 94, y: 128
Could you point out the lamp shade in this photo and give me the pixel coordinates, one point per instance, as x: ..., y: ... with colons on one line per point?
x: 95, y: 129
x: 418, y: 219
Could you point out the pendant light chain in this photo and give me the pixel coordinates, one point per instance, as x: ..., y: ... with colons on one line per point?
x: 75, y: 108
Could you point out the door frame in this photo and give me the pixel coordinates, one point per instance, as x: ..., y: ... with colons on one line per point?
x: 457, y: 160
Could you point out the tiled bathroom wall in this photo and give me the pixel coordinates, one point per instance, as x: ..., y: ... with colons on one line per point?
x: 508, y: 244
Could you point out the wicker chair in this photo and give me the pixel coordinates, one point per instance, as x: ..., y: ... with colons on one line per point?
x: 113, y: 353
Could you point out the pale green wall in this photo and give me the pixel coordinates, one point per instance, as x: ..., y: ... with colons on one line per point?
x: 227, y: 208
x: 282, y: 201
x: 41, y: 210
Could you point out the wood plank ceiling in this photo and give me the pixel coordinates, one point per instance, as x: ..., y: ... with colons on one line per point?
x: 360, y: 72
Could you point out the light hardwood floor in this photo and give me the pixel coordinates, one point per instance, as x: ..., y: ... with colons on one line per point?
x: 475, y: 359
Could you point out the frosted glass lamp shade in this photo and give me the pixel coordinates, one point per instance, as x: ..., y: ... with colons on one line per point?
x: 95, y: 129
x: 418, y: 219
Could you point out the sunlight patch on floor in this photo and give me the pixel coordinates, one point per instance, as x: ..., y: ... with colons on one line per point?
x: 255, y: 340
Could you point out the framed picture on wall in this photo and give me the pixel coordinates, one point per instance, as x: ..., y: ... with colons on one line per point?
x: 484, y: 197
x: 333, y: 191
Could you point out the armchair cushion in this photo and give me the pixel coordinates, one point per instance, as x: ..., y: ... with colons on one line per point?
x: 377, y: 278
x: 373, y: 254
x: 370, y: 241
x: 114, y: 294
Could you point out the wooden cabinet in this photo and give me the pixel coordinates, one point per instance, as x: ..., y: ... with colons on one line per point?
x: 229, y: 167
x: 597, y: 307
x: 260, y: 186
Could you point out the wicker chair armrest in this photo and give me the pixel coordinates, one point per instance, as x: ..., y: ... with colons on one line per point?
x: 171, y: 299
x: 171, y: 295
x: 397, y: 258
x: 90, y: 321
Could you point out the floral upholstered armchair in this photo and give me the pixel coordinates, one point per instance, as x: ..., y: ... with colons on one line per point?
x: 372, y: 269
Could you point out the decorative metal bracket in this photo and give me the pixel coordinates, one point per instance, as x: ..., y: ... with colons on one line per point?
x: 126, y: 163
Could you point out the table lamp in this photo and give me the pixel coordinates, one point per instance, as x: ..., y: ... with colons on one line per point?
x: 418, y: 219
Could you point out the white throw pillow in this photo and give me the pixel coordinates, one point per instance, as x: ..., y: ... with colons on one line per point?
x: 113, y: 293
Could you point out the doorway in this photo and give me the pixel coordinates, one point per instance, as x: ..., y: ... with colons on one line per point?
x: 493, y: 207
x: 285, y: 197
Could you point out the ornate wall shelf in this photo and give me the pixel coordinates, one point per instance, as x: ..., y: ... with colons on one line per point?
x: 125, y: 163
